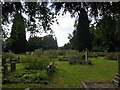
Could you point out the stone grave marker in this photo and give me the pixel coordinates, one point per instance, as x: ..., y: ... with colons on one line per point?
x: 3, y: 60
x: 11, y: 59
x: 5, y: 69
x: 13, y: 66
x: 86, y: 55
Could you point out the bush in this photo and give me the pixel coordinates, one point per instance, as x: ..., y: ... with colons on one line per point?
x: 62, y: 58
x: 111, y: 56
x: 8, y: 55
x: 89, y: 62
x: 61, y: 52
x: 75, y: 58
x: 101, y: 54
x: 92, y: 54
x: 37, y: 52
x: 26, y: 76
x: 35, y: 63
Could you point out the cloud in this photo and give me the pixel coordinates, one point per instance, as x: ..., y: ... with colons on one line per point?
x: 61, y: 31
x: 66, y: 26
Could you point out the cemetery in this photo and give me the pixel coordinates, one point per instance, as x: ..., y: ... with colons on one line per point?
x: 59, y: 73
x: 50, y: 44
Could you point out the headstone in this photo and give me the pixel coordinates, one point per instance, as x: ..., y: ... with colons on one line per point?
x: 11, y: 59
x: 105, y: 52
x: 3, y: 60
x: 5, y: 69
x: 86, y: 55
x: 13, y: 66
x: 18, y: 59
x: 48, y: 70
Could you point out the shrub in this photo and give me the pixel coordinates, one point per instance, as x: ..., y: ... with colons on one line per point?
x: 101, y: 53
x: 63, y: 58
x: 75, y: 58
x: 37, y: 52
x: 50, y: 54
x: 61, y: 52
x: 89, y: 62
x: 9, y: 54
x: 92, y: 54
x: 111, y: 56
x: 35, y: 63
x: 26, y: 76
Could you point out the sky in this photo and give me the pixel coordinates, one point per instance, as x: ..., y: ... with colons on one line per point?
x: 61, y: 31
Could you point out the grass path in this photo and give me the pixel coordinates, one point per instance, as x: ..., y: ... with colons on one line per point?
x: 71, y: 76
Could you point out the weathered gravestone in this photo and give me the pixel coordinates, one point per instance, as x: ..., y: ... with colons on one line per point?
x: 3, y: 60
x: 13, y: 66
x: 5, y: 69
x: 11, y: 59
x: 116, y: 81
x: 86, y: 55
x: 50, y: 68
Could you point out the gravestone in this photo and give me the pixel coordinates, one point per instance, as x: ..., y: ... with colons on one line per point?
x: 5, y: 69
x: 86, y: 55
x: 3, y: 60
x: 11, y: 59
x: 116, y: 81
x: 48, y: 70
x: 13, y: 66
x: 18, y: 59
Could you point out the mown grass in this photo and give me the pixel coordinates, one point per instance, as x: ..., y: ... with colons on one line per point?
x: 71, y: 76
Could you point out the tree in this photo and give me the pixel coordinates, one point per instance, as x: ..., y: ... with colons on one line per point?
x: 35, y: 43
x: 18, y: 35
x: 45, y: 43
x: 6, y: 45
x: 98, y: 10
x: 34, y: 10
x: 49, y: 42
x: 81, y: 36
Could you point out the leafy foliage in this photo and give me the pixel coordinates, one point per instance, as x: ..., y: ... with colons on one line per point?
x: 18, y: 35
x: 81, y: 36
x: 35, y: 63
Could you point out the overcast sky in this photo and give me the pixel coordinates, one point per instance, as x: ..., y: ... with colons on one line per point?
x: 61, y: 31
x: 66, y: 26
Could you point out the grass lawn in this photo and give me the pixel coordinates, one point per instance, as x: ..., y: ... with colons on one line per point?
x: 71, y: 76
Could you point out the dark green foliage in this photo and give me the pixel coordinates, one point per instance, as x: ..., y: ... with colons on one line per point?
x: 49, y: 42
x: 35, y: 63
x: 18, y: 35
x: 35, y: 43
x: 101, y: 54
x: 92, y: 54
x: 6, y: 45
x: 81, y: 36
x: 34, y: 10
x: 45, y: 43
x: 89, y: 62
x: 26, y: 76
